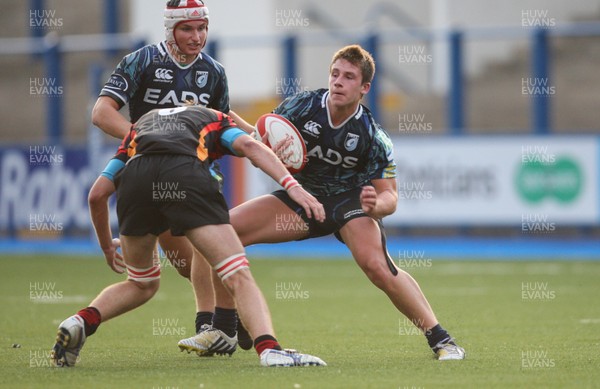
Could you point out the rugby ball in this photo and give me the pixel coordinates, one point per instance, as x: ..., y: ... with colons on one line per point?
x: 272, y: 129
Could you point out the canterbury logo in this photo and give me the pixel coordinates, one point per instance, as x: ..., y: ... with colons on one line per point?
x: 312, y: 128
x: 163, y: 74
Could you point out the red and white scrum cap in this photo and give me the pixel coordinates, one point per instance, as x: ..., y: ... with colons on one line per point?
x: 178, y: 11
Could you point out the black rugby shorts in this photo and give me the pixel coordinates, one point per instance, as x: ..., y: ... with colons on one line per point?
x: 164, y: 191
x: 339, y: 210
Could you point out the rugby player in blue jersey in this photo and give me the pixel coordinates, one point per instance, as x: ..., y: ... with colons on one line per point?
x: 351, y: 171
x: 166, y: 75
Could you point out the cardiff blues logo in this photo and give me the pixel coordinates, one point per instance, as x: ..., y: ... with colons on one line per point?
x: 201, y: 78
x: 351, y: 142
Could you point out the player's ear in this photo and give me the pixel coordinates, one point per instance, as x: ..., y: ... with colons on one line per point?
x: 364, y: 89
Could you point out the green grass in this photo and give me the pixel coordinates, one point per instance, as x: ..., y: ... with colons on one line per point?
x: 338, y: 316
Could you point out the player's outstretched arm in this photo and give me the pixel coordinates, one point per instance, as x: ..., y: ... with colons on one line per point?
x: 379, y: 200
x: 102, y: 189
x: 241, y: 123
x: 106, y: 116
x: 265, y: 159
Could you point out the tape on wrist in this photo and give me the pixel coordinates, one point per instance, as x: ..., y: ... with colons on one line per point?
x: 288, y: 182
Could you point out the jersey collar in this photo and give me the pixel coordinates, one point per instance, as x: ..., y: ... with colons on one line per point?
x: 164, y: 50
x: 356, y: 115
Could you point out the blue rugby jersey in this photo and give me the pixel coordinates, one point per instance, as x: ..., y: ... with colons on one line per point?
x: 341, y: 158
x: 150, y: 78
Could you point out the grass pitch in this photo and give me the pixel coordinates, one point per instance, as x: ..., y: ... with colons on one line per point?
x: 523, y: 324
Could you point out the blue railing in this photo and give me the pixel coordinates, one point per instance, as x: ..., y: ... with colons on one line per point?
x: 456, y: 121
x: 457, y: 101
x: 51, y: 49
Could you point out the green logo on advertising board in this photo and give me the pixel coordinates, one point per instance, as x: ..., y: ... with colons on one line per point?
x: 561, y: 180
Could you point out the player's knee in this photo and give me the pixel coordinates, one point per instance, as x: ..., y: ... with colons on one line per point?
x: 146, y: 279
x: 236, y: 280
x: 377, y: 270
x: 146, y: 289
x: 233, y: 271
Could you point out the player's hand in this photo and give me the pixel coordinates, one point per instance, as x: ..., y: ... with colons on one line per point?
x: 283, y: 150
x: 114, y: 259
x: 368, y: 199
x: 312, y: 207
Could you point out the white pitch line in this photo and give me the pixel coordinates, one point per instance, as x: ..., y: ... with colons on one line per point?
x: 589, y: 321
